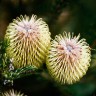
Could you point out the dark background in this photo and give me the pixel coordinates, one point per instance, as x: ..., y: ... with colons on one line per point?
x: 78, y: 16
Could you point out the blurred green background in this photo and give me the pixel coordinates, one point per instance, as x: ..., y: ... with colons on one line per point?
x: 78, y: 16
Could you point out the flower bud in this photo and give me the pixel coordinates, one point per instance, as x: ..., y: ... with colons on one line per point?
x: 28, y: 40
x: 12, y: 93
x: 68, y: 58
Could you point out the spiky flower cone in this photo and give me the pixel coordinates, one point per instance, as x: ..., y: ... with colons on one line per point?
x: 28, y: 40
x: 12, y: 93
x: 68, y: 58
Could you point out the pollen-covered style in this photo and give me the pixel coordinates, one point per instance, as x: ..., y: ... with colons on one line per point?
x: 28, y: 39
x: 12, y: 93
x: 68, y: 58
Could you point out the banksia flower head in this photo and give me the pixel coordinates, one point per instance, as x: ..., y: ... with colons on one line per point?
x: 12, y: 93
x: 28, y: 40
x: 68, y: 58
